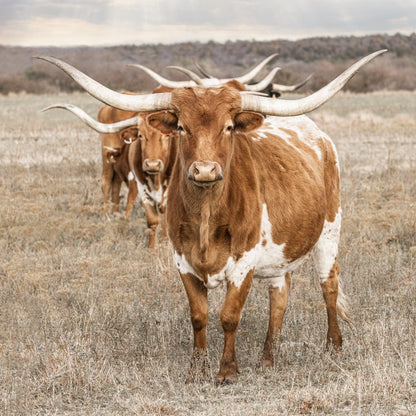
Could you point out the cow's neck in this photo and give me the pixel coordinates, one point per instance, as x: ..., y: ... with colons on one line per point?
x: 204, y: 229
x: 221, y: 208
x: 154, y: 181
x: 198, y: 200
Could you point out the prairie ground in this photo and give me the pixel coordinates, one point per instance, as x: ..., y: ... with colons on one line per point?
x: 94, y: 323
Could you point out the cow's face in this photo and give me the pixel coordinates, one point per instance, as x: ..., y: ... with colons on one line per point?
x: 206, y: 121
x: 154, y: 147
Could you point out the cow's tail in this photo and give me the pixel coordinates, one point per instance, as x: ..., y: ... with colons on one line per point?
x: 343, y: 308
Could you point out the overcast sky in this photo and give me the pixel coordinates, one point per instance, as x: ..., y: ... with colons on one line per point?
x: 113, y: 22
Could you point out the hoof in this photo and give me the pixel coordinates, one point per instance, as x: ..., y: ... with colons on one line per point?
x: 334, y: 345
x: 265, y: 363
x: 225, y: 380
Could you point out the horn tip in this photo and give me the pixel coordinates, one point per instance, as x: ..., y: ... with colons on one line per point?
x: 44, y: 57
x: 50, y: 107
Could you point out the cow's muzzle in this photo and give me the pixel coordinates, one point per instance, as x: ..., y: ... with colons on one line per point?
x: 152, y: 167
x: 205, y: 173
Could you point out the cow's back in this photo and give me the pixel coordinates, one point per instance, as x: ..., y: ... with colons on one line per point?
x: 297, y: 167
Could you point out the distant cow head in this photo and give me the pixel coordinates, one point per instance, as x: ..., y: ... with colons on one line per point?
x: 154, y: 145
x: 206, y: 128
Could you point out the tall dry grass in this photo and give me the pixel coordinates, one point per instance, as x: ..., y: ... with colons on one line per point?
x: 94, y: 323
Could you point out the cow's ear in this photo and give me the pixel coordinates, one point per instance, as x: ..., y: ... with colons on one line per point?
x: 129, y: 135
x: 247, y: 121
x: 164, y: 121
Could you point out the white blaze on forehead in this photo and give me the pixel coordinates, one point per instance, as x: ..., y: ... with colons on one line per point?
x: 326, y: 249
x: 304, y: 128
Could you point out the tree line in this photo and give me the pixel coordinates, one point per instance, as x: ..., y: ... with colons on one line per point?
x: 325, y: 57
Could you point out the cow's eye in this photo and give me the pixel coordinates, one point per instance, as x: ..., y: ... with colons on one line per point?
x: 228, y: 127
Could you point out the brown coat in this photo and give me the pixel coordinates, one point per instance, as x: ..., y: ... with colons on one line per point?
x: 248, y: 198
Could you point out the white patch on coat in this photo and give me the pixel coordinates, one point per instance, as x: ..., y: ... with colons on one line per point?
x: 143, y: 190
x: 326, y: 249
x: 130, y: 176
x: 279, y: 282
x: 155, y: 194
x: 271, y: 261
x: 144, y: 193
x: 183, y: 266
x: 165, y: 196
x: 305, y: 129
x: 266, y: 258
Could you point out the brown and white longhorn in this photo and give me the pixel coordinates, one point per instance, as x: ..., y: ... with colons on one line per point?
x: 135, y: 153
x: 249, y: 197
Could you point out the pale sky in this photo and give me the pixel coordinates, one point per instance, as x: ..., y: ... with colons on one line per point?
x: 115, y: 22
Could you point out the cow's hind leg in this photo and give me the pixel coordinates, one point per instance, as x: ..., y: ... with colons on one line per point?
x: 324, y: 254
x: 278, y: 296
x: 330, y: 291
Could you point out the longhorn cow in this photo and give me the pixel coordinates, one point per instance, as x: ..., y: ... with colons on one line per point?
x: 272, y: 89
x: 249, y: 197
x: 142, y: 157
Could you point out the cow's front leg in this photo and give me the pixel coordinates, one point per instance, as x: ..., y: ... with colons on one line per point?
x: 131, y: 197
x: 230, y: 318
x: 115, y: 192
x: 197, y: 296
x: 278, y: 296
x: 106, y: 180
x: 163, y: 223
x: 152, y: 222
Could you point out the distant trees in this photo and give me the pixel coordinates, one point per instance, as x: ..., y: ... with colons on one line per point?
x: 324, y: 56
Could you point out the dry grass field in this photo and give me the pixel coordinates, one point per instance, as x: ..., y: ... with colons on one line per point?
x: 93, y: 323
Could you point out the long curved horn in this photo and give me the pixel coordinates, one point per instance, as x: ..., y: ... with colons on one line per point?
x: 148, y: 102
x: 212, y: 82
x: 161, y: 80
x: 94, y: 124
x: 274, y: 107
x: 264, y: 82
x: 250, y: 75
x: 290, y: 88
x: 202, y: 70
x: 205, y: 82
x: 194, y: 77
x: 243, y: 78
